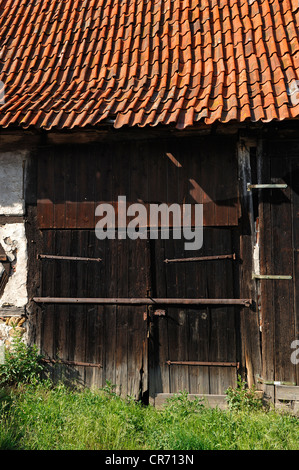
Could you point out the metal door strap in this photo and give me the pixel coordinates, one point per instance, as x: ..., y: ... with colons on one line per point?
x: 203, y: 363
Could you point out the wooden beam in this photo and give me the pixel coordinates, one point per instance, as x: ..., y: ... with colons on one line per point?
x: 140, y: 301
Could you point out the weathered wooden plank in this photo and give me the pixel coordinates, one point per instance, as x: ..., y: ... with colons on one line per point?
x: 295, y: 234
x: 210, y: 400
x: 110, y: 344
x: 62, y: 286
x: 45, y: 191
x: 284, y: 392
x: 58, y: 169
x: 85, y: 189
x: 222, y: 335
x: 81, y: 310
x: 172, y: 317
x: 134, y: 185
x: 70, y: 189
x: 266, y: 288
x: 251, y: 358
x: 48, y: 276
x: 159, y: 379
x: 282, y: 263
x: 199, y: 322
x: 11, y: 312
x: 73, y: 289
x: 120, y: 176
x: 93, y: 321
x: 136, y: 324
x: 122, y: 322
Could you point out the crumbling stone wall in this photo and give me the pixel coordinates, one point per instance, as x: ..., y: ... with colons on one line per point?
x: 13, y: 246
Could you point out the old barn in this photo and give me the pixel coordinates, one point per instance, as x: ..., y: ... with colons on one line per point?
x: 163, y: 102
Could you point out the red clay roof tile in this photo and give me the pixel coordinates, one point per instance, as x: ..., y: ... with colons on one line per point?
x: 74, y: 63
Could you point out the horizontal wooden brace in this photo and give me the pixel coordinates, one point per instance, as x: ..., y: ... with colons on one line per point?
x: 7, y: 312
x: 201, y: 258
x: 203, y: 363
x: 11, y: 219
x: 140, y: 301
x: 68, y: 258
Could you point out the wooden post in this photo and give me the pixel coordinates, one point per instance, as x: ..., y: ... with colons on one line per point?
x: 250, y: 337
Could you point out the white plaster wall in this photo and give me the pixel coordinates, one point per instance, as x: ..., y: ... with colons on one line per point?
x: 14, y: 243
x: 11, y: 183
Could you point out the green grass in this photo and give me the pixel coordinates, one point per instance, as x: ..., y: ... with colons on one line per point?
x: 43, y: 417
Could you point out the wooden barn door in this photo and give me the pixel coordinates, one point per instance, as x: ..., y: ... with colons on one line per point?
x: 94, y: 343
x: 142, y: 349
x: 195, y: 348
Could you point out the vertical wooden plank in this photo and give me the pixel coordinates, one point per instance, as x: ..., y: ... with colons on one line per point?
x: 159, y: 371
x: 158, y: 340
x: 73, y: 291
x: 122, y: 321
x: 135, y: 188
x: 136, y: 324
x: 34, y: 247
x: 109, y: 278
x: 93, y: 333
x: 170, y: 171
x: 199, y: 321
x: 222, y: 179
x: 45, y: 190
x: 194, y: 191
x: 251, y: 358
x: 182, y: 315
x: 208, y: 169
x: 184, y: 177
x: 58, y: 168
x: 81, y: 310
x: 282, y: 263
x: 120, y: 166
x: 110, y: 313
x: 172, y: 318
x: 61, y: 312
x: 100, y: 289
x: 48, y: 276
x: 85, y: 189
x: 295, y: 231
x: 70, y: 184
x: 223, y: 334
x: 266, y: 288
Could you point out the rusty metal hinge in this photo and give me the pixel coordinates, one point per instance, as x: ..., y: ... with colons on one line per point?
x: 158, y: 313
x: 201, y: 258
x: 68, y: 258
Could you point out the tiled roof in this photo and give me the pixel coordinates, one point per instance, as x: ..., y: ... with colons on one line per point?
x: 68, y: 63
